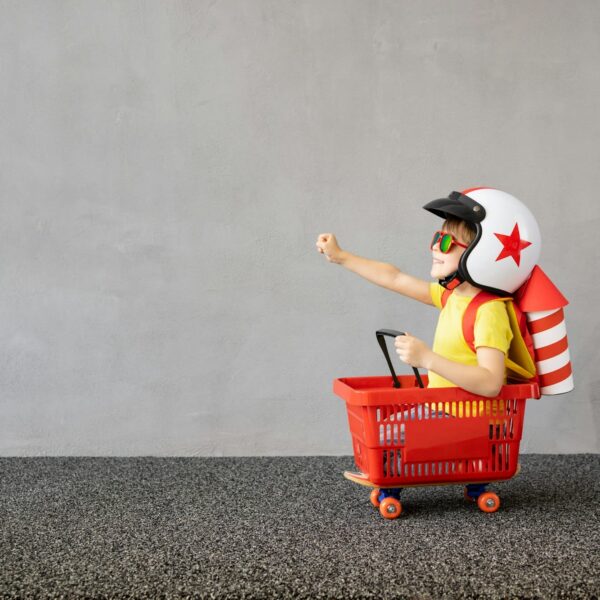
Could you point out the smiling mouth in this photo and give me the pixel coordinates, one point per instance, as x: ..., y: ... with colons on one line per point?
x: 437, y: 261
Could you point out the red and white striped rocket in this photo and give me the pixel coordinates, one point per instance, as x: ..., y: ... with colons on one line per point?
x: 542, y: 303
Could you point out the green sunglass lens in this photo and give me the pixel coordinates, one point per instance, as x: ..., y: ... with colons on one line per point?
x: 445, y: 243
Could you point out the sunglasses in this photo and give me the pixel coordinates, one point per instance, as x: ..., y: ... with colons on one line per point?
x: 446, y: 241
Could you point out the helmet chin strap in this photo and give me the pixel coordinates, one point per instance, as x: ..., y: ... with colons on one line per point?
x: 451, y: 281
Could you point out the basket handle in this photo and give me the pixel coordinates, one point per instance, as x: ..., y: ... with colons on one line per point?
x: 380, y: 338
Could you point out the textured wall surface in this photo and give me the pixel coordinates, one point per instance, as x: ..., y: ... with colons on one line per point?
x: 166, y: 167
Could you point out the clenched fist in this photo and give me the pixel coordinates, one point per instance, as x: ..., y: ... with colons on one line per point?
x: 413, y: 351
x: 327, y: 245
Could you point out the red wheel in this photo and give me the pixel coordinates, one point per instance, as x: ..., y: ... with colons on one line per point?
x: 488, y: 502
x: 375, y: 497
x: 390, y: 508
x: 469, y: 498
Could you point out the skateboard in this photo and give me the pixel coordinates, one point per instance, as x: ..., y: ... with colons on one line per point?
x: 387, y: 497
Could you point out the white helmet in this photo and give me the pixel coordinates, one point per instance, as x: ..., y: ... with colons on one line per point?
x: 507, y: 240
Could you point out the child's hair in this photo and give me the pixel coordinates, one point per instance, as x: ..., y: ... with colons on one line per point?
x: 462, y: 229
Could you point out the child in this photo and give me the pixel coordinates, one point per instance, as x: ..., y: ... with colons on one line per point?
x: 451, y: 362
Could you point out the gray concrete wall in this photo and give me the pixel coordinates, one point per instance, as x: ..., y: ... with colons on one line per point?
x: 165, y: 168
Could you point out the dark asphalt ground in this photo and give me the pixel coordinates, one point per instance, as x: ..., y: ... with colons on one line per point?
x: 289, y: 527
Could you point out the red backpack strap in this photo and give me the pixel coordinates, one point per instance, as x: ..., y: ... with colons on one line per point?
x: 519, y: 368
x: 445, y: 296
x: 468, y: 323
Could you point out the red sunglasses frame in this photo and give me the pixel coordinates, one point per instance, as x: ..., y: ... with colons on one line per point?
x: 452, y: 242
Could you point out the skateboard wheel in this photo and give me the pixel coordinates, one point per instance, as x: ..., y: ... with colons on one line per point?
x: 469, y: 498
x: 488, y: 502
x: 375, y: 497
x: 390, y: 508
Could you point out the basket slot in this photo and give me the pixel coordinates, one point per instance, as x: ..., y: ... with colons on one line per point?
x: 500, y: 456
x: 392, y: 463
x: 472, y: 466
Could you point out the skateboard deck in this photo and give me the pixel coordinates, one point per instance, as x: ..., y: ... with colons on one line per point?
x: 362, y: 479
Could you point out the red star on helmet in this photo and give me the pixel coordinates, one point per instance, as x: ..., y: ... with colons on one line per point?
x: 513, y: 244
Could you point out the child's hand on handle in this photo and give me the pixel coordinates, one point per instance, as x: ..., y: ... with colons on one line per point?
x: 327, y: 245
x: 413, y: 351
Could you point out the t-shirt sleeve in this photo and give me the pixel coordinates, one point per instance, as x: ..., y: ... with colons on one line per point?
x: 492, y: 327
x: 436, y: 291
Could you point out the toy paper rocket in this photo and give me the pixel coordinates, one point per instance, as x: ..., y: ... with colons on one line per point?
x: 543, y: 304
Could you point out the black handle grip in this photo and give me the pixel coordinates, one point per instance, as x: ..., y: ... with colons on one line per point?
x: 380, y: 338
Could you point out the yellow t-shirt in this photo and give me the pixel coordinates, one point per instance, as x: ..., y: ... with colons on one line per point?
x: 492, y: 329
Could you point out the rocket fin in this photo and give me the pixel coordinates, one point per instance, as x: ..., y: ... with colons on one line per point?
x: 539, y: 293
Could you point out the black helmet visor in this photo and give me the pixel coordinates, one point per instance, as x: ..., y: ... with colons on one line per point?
x: 457, y: 205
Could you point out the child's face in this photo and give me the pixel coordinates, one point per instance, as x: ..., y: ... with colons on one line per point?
x: 445, y: 264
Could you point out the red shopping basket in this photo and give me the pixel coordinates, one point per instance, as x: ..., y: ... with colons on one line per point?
x: 406, y: 435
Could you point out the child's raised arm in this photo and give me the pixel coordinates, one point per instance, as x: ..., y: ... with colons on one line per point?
x: 379, y: 273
